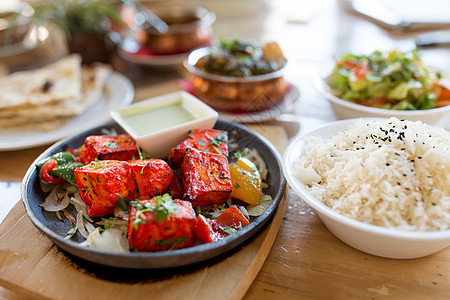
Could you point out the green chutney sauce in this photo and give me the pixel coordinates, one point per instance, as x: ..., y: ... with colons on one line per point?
x: 155, y: 119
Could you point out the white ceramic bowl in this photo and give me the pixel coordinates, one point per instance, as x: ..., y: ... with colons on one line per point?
x: 369, y: 238
x: 153, y: 134
x: 348, y: 110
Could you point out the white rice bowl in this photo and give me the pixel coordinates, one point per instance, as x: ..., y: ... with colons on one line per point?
x: 380, y: 185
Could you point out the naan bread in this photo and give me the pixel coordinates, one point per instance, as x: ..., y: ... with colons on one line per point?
x: 48, y: 115
x: 93, y: 79
x: 55, y: 82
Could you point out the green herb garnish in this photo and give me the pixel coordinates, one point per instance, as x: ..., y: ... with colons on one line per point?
x: 163, y: 208
x: 122, y: 203
x: 175, y: 242
x: 112, y: 145
x: 218, y: 140
x: 70, y: 233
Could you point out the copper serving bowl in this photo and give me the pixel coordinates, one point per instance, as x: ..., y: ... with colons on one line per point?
x: 235, y: 94
x: 189, y: 28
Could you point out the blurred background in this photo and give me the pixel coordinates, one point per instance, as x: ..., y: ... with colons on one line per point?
x: 310, y: 34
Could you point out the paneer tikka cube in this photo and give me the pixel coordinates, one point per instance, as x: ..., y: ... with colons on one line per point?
x: 152, y: 176
x: 104, y: 147
x: 103, y: 183
x: 206, y: 177
x: 209, y: 140
x: 160, y: 223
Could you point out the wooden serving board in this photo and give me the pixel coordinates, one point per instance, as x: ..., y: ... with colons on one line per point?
x: 31, y: 265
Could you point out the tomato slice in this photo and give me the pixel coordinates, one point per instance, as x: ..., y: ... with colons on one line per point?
x: 347, y: 64
x: 362, y: 69
x: 47, y: 167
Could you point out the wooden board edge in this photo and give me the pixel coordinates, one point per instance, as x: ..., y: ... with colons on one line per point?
x: 265, y: 248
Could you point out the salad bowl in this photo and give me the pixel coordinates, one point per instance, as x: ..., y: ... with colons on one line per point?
x: 381, y: 87
x: 348, y: 110
x: 56, y: 230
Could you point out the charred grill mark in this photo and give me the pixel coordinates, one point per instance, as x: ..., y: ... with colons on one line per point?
x: 47, y: 86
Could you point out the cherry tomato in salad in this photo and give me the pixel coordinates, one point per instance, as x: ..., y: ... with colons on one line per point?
x: 362, y: 69
x: 347, y: 64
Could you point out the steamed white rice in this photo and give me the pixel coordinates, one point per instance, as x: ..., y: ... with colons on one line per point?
x: 391, y: 173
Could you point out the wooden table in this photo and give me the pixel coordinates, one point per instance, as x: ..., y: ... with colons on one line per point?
x: 306, y: 261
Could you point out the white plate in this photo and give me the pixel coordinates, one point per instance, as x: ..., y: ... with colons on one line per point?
x: 285, y: 106
x: 118, y: 92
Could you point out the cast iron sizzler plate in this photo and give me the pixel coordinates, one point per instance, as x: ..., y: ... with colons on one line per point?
x: 56, y: 230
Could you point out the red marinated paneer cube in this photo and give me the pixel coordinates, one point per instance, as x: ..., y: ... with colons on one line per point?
x: 152, y: 176
x: 103, y: 147
x: 206, y: 178
x: 101, y: 184
x: 210, y: 140
x: 160, y: 223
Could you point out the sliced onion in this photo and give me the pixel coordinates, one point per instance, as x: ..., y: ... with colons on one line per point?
x: 244, y: 212
x: 254, y: 156
x: 45, y: 186
x: 121, y: 214
x: 115, y: 223
x: 71, y: 189
x: 80, y: 205
x: 56, y: 200
x: 70, y: 218
x: 58, y: 215
x: 111, y: 240
x: 257, y: 210
x: 80, y: 225
x: 89, y: 227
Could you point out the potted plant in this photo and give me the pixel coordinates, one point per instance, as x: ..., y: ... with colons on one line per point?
x: 85, y: 23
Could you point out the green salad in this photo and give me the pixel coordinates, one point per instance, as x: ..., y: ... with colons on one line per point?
x: 391, y: 80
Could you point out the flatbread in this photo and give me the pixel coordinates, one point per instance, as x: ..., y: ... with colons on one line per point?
x: 55, y: 82
x: 93, y: 79
x: 50, y: 115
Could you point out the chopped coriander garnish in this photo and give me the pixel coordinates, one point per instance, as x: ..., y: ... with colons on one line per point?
x: 216, y: 149
x: 218, y: 140
x: 163, y: 208
x: 122, y: 202
x: 90, y: 185
x: 198, y: 210
x: 175, y: 242
x: 228, y: 229
x: 70, y: 233
x: 112, y: 145
x: 231, y: 228
x: 238, y: 153
x: 96, y: 164
x: 142, y: 155
x: 105, y: 227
